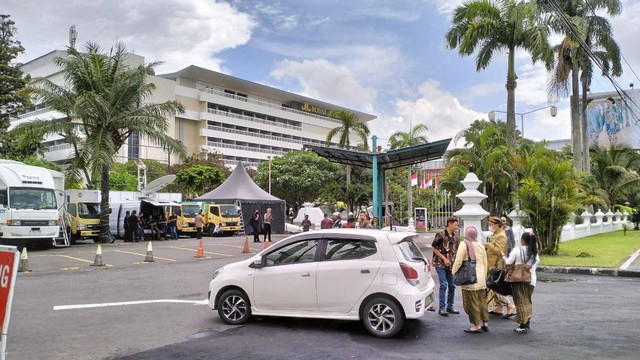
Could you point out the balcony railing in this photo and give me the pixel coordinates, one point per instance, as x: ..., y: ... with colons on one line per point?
x: 245, y: 148
x: 34, y: 112
x: 249, y: 118
x: 264, y: 102
x: 60, y: 147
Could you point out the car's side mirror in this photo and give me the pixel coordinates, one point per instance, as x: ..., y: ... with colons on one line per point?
x: 257, y: 262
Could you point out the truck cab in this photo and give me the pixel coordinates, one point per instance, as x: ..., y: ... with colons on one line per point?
x: 28, y: 205
x: 83, y: 215
x: 227, y: 215
x: 186, y: 217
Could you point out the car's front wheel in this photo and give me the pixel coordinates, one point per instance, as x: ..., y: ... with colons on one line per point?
x: 382, y: 317
x: 234, y: 308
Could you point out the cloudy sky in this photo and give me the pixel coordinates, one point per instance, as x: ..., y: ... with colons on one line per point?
x: 384, y: 57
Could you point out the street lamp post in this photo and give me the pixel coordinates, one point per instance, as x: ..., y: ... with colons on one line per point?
x: 553, y: 111
x: 269, y: 157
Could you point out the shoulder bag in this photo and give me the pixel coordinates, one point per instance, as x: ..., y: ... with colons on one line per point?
x: 466, y: 275
x: 519, y: 272
x: 496, y: 281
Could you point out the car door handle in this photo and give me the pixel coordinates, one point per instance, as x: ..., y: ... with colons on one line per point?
x: 365, y: 271
x: 306, y: 275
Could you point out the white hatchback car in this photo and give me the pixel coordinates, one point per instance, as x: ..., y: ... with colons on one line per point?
x: 379, y: 277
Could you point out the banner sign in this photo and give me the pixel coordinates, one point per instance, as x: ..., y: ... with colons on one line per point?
x: 9, y: 259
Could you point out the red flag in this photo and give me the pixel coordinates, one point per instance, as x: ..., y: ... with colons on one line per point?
x: 430, y: 181
x: 414, y: 179
x: 437, y: 182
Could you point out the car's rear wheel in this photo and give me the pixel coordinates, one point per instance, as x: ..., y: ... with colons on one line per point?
x: 382, y: 317
x: 234, y: 308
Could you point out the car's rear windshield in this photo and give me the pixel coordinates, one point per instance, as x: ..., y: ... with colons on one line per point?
x: 410, y: 250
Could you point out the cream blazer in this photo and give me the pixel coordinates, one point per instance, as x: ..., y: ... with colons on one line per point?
x: 481, y: 264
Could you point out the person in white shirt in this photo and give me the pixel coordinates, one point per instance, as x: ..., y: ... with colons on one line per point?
x: 527, y: 253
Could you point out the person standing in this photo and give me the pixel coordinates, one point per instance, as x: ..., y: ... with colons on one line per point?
x: 134, y: 226
x: 595, y: 122
x: 127, y: 227
x: 497, y: 245
x: 173, y: 226
x: 511, y: 243
x: 255, y: 225
x: 337, y: 221
x: 474, y: 296
x: 445, y: 246
x: 306, y: 223
x: 612, y: 120
x: 527, y: 253
x: 326, y: 223
x: 267, y: 224
x: 199, y: 225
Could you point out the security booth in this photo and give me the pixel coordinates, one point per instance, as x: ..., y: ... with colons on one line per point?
x: 420, y: 214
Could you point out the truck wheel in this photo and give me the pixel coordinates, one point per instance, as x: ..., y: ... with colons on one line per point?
x: 210, y: 230
x: 72, y: 238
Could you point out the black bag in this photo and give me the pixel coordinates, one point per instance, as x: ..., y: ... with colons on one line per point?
x: 495, y: 281
x: 466, y: 275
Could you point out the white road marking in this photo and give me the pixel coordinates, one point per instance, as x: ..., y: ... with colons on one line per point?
x: 87, y: 306
x: 630, y: 260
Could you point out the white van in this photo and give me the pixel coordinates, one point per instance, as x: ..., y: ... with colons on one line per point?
x: 147, y: 207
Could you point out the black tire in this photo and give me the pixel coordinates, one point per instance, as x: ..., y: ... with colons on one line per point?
x: 210, y: 230
x: 234, y: 307
x: 382, y: 317
x: 72, y: 238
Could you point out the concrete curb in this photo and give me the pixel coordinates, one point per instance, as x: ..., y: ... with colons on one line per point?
x: 588, y: 271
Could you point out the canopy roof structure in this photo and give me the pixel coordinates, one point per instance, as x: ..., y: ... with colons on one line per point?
x: 238, y: 186
x: 386, y: 160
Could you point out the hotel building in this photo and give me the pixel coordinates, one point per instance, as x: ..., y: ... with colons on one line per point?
x: 239, y: 119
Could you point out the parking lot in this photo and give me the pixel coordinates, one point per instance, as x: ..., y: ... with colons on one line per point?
x: 82, y: 256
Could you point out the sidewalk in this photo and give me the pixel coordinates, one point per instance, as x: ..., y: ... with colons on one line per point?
x: 631, y: 268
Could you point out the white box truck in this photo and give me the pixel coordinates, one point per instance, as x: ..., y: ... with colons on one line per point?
x: 28, y: 205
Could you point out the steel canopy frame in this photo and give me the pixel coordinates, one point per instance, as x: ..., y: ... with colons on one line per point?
x: 379, y: 162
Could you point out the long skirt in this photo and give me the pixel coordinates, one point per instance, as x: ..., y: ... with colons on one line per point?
x: 522, y: 298
x: 474, y: 303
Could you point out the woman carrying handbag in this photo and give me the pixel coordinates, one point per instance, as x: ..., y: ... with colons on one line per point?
x: 522, y: 263
x: 474, y: 296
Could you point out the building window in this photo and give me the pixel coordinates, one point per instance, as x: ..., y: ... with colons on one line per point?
x: 133, y: 146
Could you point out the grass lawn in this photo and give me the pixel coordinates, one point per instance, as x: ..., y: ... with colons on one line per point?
x: 607, y: 250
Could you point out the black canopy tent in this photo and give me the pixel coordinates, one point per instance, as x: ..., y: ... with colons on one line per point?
x: 241, y: 190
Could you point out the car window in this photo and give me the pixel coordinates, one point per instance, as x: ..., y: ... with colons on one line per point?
x: 410, y: 250
x: 295, y: 253
x: 345, y: 249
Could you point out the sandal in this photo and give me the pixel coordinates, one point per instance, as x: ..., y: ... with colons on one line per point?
x: 493, y: 312
x: 469, y: 330
x: 521, y: 330
x: 485, y: 327
x: 508, y: 316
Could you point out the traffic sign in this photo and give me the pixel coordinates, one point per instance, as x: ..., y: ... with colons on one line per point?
x: 9, y: 258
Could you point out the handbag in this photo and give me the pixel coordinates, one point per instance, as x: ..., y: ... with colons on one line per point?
x: 466, y: 275
x: 518, y: 272
x: 496, y: 281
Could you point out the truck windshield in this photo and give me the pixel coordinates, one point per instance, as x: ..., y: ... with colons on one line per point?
x: 228, y: 210
x: 89, y: 210
x: 32, y: 198
x: 190, y: 211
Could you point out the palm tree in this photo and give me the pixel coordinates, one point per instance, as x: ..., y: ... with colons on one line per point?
x: 494, y: 26
x: 573, y: 58
x: 615, y: 170
x: 401, y: 139
x: 350, y: 124
x: 107, y: 105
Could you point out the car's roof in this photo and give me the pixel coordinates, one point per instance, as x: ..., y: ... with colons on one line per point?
x: 393, y: 236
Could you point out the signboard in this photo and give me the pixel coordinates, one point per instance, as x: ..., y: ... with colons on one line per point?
x: 9, y: 258
x: 612, y: 120
x: 421, y: 219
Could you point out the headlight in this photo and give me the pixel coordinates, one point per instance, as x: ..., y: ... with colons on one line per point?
x: 53, y: 222
x: 222, y: 223
x: 14, y: 222
x: 217, y: 272
x: 81, y: 227
x: 185, y: 224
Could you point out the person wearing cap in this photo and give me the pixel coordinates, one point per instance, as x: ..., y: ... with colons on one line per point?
x: 326, y: 222
x: 337, y: 221
x: 496, y: 246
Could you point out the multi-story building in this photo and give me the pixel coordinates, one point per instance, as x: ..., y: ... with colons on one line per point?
x: 239, y: 119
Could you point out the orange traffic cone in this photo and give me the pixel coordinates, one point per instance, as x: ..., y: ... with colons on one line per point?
x: 200, y: 253
x: 149, y: 257
x: 245, y: 250
x: 98, y: 259
x: 266, y: 244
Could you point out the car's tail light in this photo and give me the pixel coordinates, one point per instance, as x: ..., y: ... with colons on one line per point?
x: 410, y: 274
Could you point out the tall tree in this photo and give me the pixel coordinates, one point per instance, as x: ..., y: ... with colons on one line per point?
x: 14, y: 97
x: 491, y: 27
x: 401, y: 139
x: 349, y: 124
x: 615, y: 170
x: 108, y: 103
x: 586, y: 33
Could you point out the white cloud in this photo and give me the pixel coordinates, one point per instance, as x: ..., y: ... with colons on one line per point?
x: 439, y: 110
x: 180, y: 33
x: 327, y: 81
x: 446, y: 6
